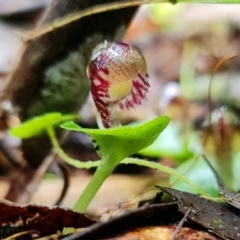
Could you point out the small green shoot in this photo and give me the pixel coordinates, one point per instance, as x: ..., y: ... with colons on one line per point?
x: 38, y: 125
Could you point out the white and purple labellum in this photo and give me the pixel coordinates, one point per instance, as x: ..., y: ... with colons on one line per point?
x: 118, y: 75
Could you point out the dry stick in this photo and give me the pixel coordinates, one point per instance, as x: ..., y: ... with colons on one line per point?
x: 39, y: 174
x: 177, y: 230
x: 52, y: 237
x: 47, y: 162
x: 33, y: 180
x: 21, y: 234
x: 66, y: 182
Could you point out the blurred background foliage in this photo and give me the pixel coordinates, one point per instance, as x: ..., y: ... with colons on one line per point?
x: 183, y: 44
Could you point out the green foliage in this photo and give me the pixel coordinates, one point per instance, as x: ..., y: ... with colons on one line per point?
x: 38, y: 125
x: 199, y: 173
x: 170, y: 171
x: 122, y: 142
x: 114, y: 145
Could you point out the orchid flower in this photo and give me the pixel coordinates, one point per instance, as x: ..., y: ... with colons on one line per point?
x: 118, y: 75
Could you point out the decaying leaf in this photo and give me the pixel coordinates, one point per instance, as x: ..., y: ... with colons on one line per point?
x: 46, y: 220
x: 231, y: 198
x: 219, y: 218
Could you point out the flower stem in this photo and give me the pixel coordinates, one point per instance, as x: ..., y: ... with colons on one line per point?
x: 114, y: 116
x: 104, y: 168
x: 73, y: 162
x: 102, y: 173
x: 114, y: 121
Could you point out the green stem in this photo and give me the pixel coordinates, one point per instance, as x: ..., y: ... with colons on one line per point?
x: 187, y: 70
x: 73, y: 162
x: 162, y: 168
x: 101, y: 174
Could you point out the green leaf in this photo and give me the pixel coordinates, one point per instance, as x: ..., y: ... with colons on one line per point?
x: 123, y: 141
x: 38, y: 125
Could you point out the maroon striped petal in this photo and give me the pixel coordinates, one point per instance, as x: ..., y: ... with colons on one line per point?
x: 138, y: 93
x: 118, y: 75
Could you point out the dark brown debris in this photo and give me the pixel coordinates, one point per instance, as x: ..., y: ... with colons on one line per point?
x: 46, y: 220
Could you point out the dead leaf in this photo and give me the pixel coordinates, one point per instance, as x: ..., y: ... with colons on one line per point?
x: 46, y: 220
